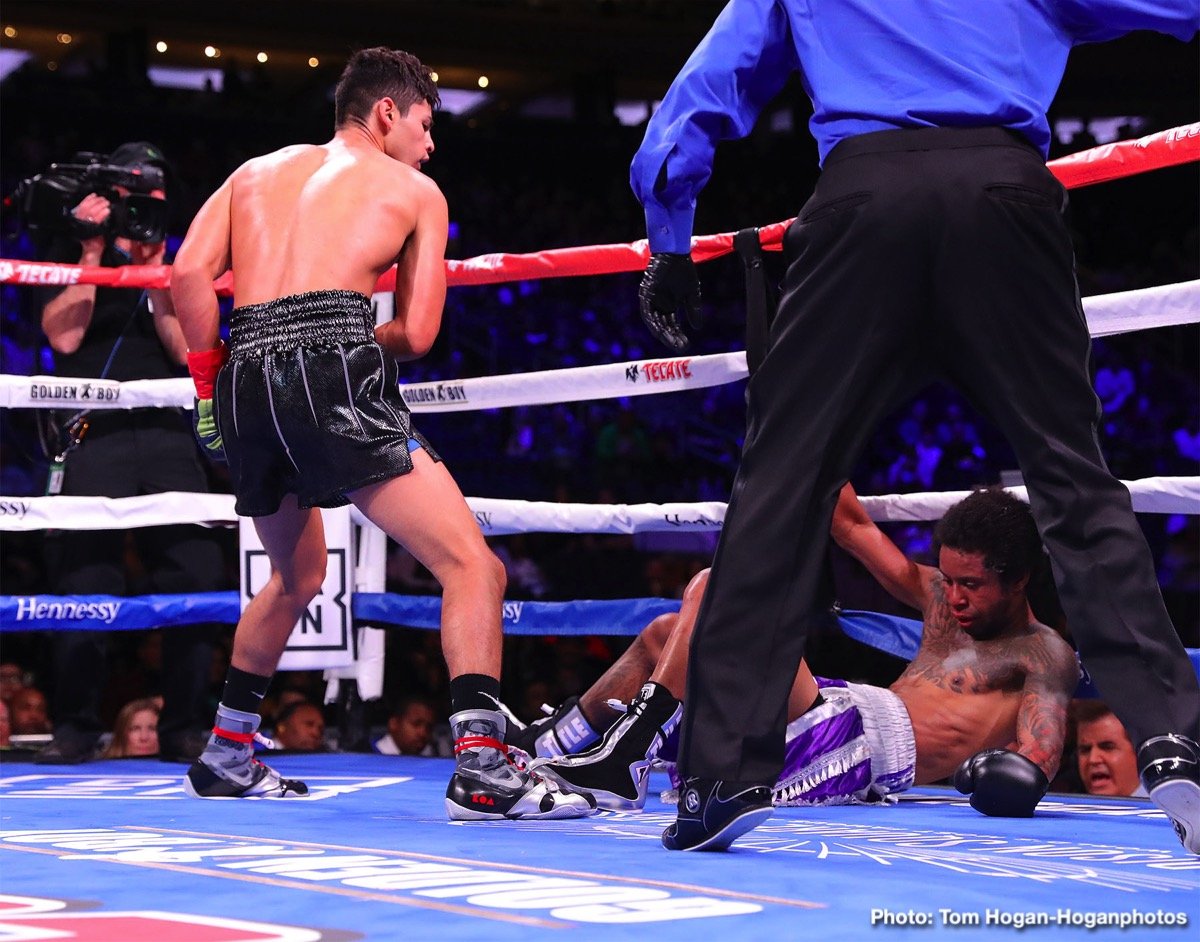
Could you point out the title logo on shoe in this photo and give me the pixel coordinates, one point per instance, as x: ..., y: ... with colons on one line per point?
x: 30, y: 608
x: 691, y: 800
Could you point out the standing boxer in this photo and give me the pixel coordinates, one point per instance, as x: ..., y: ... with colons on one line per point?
x: 306, y: 405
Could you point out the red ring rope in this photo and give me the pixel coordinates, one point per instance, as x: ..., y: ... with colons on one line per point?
x: 1096, y: 165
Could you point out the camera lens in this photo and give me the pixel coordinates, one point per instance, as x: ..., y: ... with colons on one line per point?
x: 144, y: 218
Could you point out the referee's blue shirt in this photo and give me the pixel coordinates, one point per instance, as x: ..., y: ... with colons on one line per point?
x: 870, y: 65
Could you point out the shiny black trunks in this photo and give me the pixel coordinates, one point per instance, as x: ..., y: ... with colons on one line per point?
x: 309, y: 404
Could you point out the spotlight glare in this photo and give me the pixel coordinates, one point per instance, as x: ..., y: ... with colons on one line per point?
x: 313, y: 62
x: 212, y: 52
x: 160, y: 46
x: 483, y: 81
x: 10, y: 32
x: 65, y: 38
x: 52, y: 66
x: 433, y: 76
x: 262, y: 57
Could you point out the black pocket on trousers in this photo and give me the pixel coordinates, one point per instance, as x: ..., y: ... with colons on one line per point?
x: 1026, y: 195
x: 830, y: 208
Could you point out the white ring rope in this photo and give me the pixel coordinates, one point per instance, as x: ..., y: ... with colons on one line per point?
x: 1126, y: 311
x: 1107, y: 314
x: 1168, y: 495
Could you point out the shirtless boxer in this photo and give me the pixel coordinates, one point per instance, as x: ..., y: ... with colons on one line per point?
x: 306, y: 405
x: 984, y: 700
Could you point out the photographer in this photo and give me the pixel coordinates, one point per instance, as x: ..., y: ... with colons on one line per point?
x: 123, y: 334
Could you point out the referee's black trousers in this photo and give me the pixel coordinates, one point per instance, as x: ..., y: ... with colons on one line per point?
x: 926, y: 250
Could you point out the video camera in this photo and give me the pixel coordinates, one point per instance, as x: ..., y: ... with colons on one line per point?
x: 44, y: 202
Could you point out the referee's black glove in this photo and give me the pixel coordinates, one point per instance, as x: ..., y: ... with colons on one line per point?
x: 670, y: 283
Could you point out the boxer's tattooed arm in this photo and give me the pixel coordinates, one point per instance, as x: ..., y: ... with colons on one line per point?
x: 1051, y: 675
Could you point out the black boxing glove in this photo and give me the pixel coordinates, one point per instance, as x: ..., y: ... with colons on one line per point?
x: 670, y: 283
x: 1001, y: 783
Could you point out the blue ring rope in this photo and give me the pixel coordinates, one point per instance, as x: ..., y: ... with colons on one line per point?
x: 888, y: 633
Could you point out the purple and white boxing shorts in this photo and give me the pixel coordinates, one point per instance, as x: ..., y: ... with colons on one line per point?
x: 855, y: 748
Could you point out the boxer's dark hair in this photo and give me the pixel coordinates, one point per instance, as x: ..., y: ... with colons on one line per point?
x: 998, y: 526
x: 377, y: 73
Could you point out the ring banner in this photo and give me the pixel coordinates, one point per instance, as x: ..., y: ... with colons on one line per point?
x: 550, y: 619
x: 115, y: 612
x: 118, y: 613
x: 499, y: 517
x: 891, y: 634
x: 577, y: 383
x: 324, y: 636
x: 1107, y: 314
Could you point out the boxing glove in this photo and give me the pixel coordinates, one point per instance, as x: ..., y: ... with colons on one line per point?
x: 670, y: 283
x: 1001, y: 783
x: 204, y: 424
x: 204, y: 367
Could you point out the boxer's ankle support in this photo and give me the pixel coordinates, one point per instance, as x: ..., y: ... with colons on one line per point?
x: 487, y: 785
x: 564, y: 731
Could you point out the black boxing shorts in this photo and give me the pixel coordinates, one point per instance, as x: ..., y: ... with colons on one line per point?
x: 309, y: 404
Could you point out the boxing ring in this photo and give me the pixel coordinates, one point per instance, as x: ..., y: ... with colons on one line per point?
x: 369, y: 854
x: 113, y: 850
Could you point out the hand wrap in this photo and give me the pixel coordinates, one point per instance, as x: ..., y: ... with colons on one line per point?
x: 204, y: 367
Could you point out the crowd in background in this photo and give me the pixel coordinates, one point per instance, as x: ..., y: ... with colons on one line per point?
x: 518, y: 185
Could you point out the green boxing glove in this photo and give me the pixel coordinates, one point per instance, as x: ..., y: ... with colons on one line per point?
x: 204, y: 423
x: 204, y: 366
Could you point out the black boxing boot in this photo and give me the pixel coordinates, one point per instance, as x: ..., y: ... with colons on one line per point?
x: 713, y: 814
x: 615, y: 771
x: 1169, y: 767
